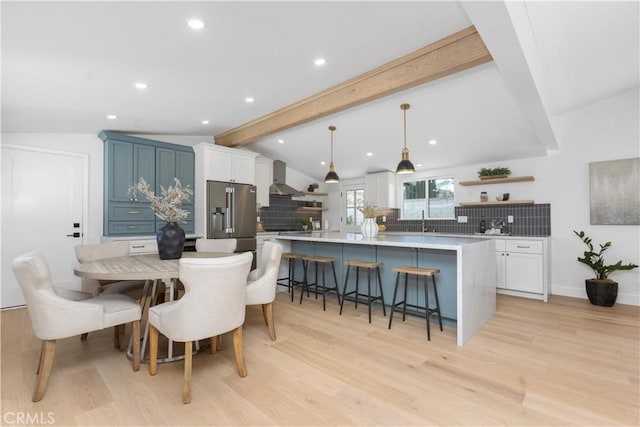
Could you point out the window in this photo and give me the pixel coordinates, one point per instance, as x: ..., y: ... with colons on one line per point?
x: 354, y: 200
x: 432, y: 197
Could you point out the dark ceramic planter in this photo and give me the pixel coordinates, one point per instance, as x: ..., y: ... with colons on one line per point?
x: 602, y: 292
x: 170, y: 241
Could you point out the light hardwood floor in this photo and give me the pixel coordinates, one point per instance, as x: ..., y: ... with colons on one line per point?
x: 562, y: 363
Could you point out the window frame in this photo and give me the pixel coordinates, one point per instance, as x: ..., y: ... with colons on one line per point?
x: 426, y: 179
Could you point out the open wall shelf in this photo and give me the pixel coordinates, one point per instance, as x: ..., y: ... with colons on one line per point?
x: 508, y: 202
x: 497, y: 180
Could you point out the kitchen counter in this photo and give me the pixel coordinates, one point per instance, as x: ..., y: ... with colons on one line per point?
x: 467, y: 279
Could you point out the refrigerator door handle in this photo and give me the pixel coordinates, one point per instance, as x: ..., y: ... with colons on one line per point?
x: 229, y: 210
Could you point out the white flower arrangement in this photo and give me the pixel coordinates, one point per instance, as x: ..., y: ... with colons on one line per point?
x: 370, y: 211
x: 167, y: 206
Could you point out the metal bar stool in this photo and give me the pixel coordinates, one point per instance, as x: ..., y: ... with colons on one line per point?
x: 322, y: 261
x: 424, y: 272
x: 369, y: 299
x: 290, y: 282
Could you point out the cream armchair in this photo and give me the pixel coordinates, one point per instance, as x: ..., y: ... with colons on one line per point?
x: 54, y: 317
x: 216, y: 245
x: 213, y: 304
x: 92, y: 287
x: 261, y: 283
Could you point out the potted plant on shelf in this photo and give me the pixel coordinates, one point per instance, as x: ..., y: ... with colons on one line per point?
x: 601, y: 290
x: 167, y: 207
x: 304, y: 221
x: 493, y: 173
x: 313, y: 187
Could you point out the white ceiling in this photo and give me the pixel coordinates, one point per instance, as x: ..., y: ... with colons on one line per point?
x: 66, y: 65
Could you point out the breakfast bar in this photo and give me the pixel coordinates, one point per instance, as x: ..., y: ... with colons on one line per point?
x: 467, y: 279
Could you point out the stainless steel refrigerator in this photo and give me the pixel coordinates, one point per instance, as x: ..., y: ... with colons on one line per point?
x: 232, y: 213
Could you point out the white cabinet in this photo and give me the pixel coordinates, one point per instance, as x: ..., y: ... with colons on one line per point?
x: 228, y: 164
x: 380, y: 189
x: 264, y: 179
x: 522, y: 267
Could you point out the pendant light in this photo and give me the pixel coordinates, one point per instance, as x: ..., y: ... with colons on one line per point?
x: 332, y: 176
x: 405, y: 165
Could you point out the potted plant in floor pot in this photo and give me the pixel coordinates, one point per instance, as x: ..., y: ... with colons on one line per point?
x: 167, y: 207
x: 601, y: 290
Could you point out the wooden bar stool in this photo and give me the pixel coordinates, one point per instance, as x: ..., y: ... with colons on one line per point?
x: 290, y: 282
x: 319, y: 261
x: 369, y: 299
x: 424, y: 272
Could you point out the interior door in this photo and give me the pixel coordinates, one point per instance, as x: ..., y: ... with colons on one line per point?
x: 43, y: 195
x: 352, y: 199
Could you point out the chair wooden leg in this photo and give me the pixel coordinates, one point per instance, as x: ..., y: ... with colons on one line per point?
x: 47, y: 354
x: 153, y: 350
x: 214, y: 344
x: 267, y: 312
x: 219, y: 343
x: 239, y: 351
x: 83, y: 337
x: 186, y: 387
x: 135, y: 341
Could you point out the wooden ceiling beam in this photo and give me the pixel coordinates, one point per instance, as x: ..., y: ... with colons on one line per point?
x: 457, y: 52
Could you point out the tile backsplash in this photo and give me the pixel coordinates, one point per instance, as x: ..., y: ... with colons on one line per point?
x: 528, y: 220
x: 284, y: 213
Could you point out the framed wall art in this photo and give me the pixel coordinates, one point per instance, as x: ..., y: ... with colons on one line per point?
x: 615, y: 192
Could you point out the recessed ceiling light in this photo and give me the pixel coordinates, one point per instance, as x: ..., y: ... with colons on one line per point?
x: 205, y: 122
x: 281, y: 141
x: 320, y: 62
x: 369, y: 154
x: 249, y: 99
x: 195, y: 24
x: 112, y: 116
x: 418, y: 164
x: 433, y: 142
x: 140, y: 85
x: 323, y: 163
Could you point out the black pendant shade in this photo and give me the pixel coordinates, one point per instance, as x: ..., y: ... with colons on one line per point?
x: 332, y: 176
x: 405, y: 165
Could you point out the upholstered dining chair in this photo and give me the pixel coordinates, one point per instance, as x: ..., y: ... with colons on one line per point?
x: 213, y: 304
x: 90, y: 253
x: 54, y: 317
x: 261, y: 283
x: 216, y: 245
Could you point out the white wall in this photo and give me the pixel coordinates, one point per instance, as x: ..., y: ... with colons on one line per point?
x: 605, y: 130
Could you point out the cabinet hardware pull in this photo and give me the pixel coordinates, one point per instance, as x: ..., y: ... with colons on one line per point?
x: 133, y: 212
x: 137, y: 246
x: 523, y: 247
x: 131, y: 227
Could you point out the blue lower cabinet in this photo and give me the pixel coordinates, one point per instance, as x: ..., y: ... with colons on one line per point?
x: 131, y: 227
x: 130, y: 212
x: 393, y: 257
x: 186, y: 226
x: 445, y: 280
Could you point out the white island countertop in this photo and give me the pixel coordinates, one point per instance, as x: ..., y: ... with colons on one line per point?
x: 426, y: 241
x: 473, y: 260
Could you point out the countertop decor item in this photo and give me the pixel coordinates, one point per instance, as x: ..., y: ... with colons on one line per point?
x: 493, y: 173
x: 369, y: 227
x: 601, y: 290
x: 405, y: 165
x: 332, y: 176
x: 167, y: 207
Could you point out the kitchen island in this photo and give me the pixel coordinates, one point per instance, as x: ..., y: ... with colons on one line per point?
x: 467, y: 279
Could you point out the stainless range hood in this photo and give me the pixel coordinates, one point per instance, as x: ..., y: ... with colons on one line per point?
x: 279, y: 185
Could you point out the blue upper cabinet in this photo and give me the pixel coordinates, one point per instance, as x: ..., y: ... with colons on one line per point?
x: 126, y: 160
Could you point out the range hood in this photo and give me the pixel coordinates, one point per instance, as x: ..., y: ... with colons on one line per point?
x: 279, y: 185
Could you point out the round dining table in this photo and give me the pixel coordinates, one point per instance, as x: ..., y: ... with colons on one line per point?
x: 151, y: 269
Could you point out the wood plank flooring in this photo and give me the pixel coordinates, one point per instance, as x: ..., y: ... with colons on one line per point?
x: 533, y: 364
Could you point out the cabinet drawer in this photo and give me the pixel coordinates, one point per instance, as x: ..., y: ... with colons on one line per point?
x: 130, y: 212
x: 525, y: 246
x: 132, y: 227
x: 137, y: 247
x: 187, y: 227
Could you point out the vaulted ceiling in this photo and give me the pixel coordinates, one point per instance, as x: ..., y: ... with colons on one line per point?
x: 67, y: 65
